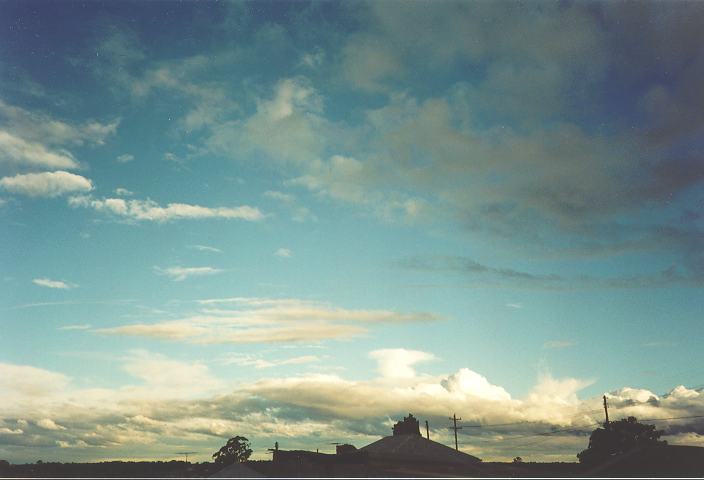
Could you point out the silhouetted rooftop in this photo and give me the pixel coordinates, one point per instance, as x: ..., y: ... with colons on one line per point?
x: 414, y: 448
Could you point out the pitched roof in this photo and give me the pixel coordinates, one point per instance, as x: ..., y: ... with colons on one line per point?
x: 414, y: 448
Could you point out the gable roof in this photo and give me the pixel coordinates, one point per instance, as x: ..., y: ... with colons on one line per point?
x: 414, y: 448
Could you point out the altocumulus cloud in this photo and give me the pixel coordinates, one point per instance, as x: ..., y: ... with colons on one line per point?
x: 46, y: 184
x: 157, y: 409
x: 149, y: 210
x: 267, y: 320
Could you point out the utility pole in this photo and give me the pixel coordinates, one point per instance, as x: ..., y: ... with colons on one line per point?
x: 455, y: 428
x: 427, y: 430
x: 606, y: 412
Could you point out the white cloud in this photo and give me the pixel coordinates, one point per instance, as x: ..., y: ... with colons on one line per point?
x: 148, y: 210
x: 48, y: 283
x: 259, y: 363
x: 515, y: 306
x: 42, y: 128
x: 123, y: 192
x: 81, y: 326
x: 468, y: 382
x: 49, y: 424
x: 46, y: 184
x: 124, y: 158
x: 205, y: 248
x: 267, y: 320
x: 313, y: 59
x: 398, y: 362
x: 33, y: 154
x: 280, y: 196
x: 181, y: 273
x: 174, y: 400
x: 287, y: 127
x: 283, y: 253
x: 171, y: 378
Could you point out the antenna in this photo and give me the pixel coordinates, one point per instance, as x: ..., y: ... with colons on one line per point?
x: 186, y: 454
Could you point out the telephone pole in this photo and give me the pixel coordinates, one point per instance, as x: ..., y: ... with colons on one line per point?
x: 427, y: 430
x: 455, y: 428
x: 606, y: 412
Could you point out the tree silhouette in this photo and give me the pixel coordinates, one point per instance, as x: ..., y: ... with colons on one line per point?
x: 236, y: 450
x: 619, y: 437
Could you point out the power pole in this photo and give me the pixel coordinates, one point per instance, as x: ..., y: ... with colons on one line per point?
x: 427, y: 430
x: 455, y: 428
x: 606, y: 412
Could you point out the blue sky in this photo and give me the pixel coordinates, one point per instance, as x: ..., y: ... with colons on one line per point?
x: 298, y: 221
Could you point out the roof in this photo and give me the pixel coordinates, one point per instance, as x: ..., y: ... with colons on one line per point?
x: 414, y: 448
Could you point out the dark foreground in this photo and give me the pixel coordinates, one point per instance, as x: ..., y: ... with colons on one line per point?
x: 668, y: 461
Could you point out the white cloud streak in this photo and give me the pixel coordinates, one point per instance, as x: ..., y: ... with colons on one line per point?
x: 148, y: 210
x: 182, y: 273
x: 32, y: 154
x: 56, y: 284
x: 46, y: 184
x: 266, y: 320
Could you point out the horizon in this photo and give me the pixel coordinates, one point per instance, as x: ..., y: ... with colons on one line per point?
x: 298, y: 222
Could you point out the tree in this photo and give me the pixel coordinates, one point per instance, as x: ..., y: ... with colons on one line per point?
x: 236, y: 450
x: 619, y: 437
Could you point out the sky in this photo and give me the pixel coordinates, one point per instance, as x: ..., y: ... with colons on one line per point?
x: 298, y: 222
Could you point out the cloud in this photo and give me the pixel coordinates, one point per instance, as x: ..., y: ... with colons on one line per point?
x: 245, y: 360
x: 205, y: 248
x: 123, y: 192
x: 280, y: 196
x: 39, y: 128
x: 81, y: 326
x: 48, y: 283
x: 182, y: 273
x: 169, y: 377
x: 398, y: 362
x: 148, y: 210
x: 168, y: 401
x: 49, y: 424
x: 124, y: 158
x: 288, y: 127
x: 33, y: 154
x: 283, y: 253
x: 46, y: 184
x: 267, y: 320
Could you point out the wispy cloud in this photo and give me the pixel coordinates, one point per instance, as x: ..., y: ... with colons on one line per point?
x: 182, y: 273
x: 33, y: 154
x: 123, y: 192
x: 255, y: 361
x: 81, y: 326
x: 283, y: 253
x: 205, y: 248
x: 124, y: 158
x: 48, y: 283
x: 268, y: 320
x: 148, y: 210
x: 46, y: 184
